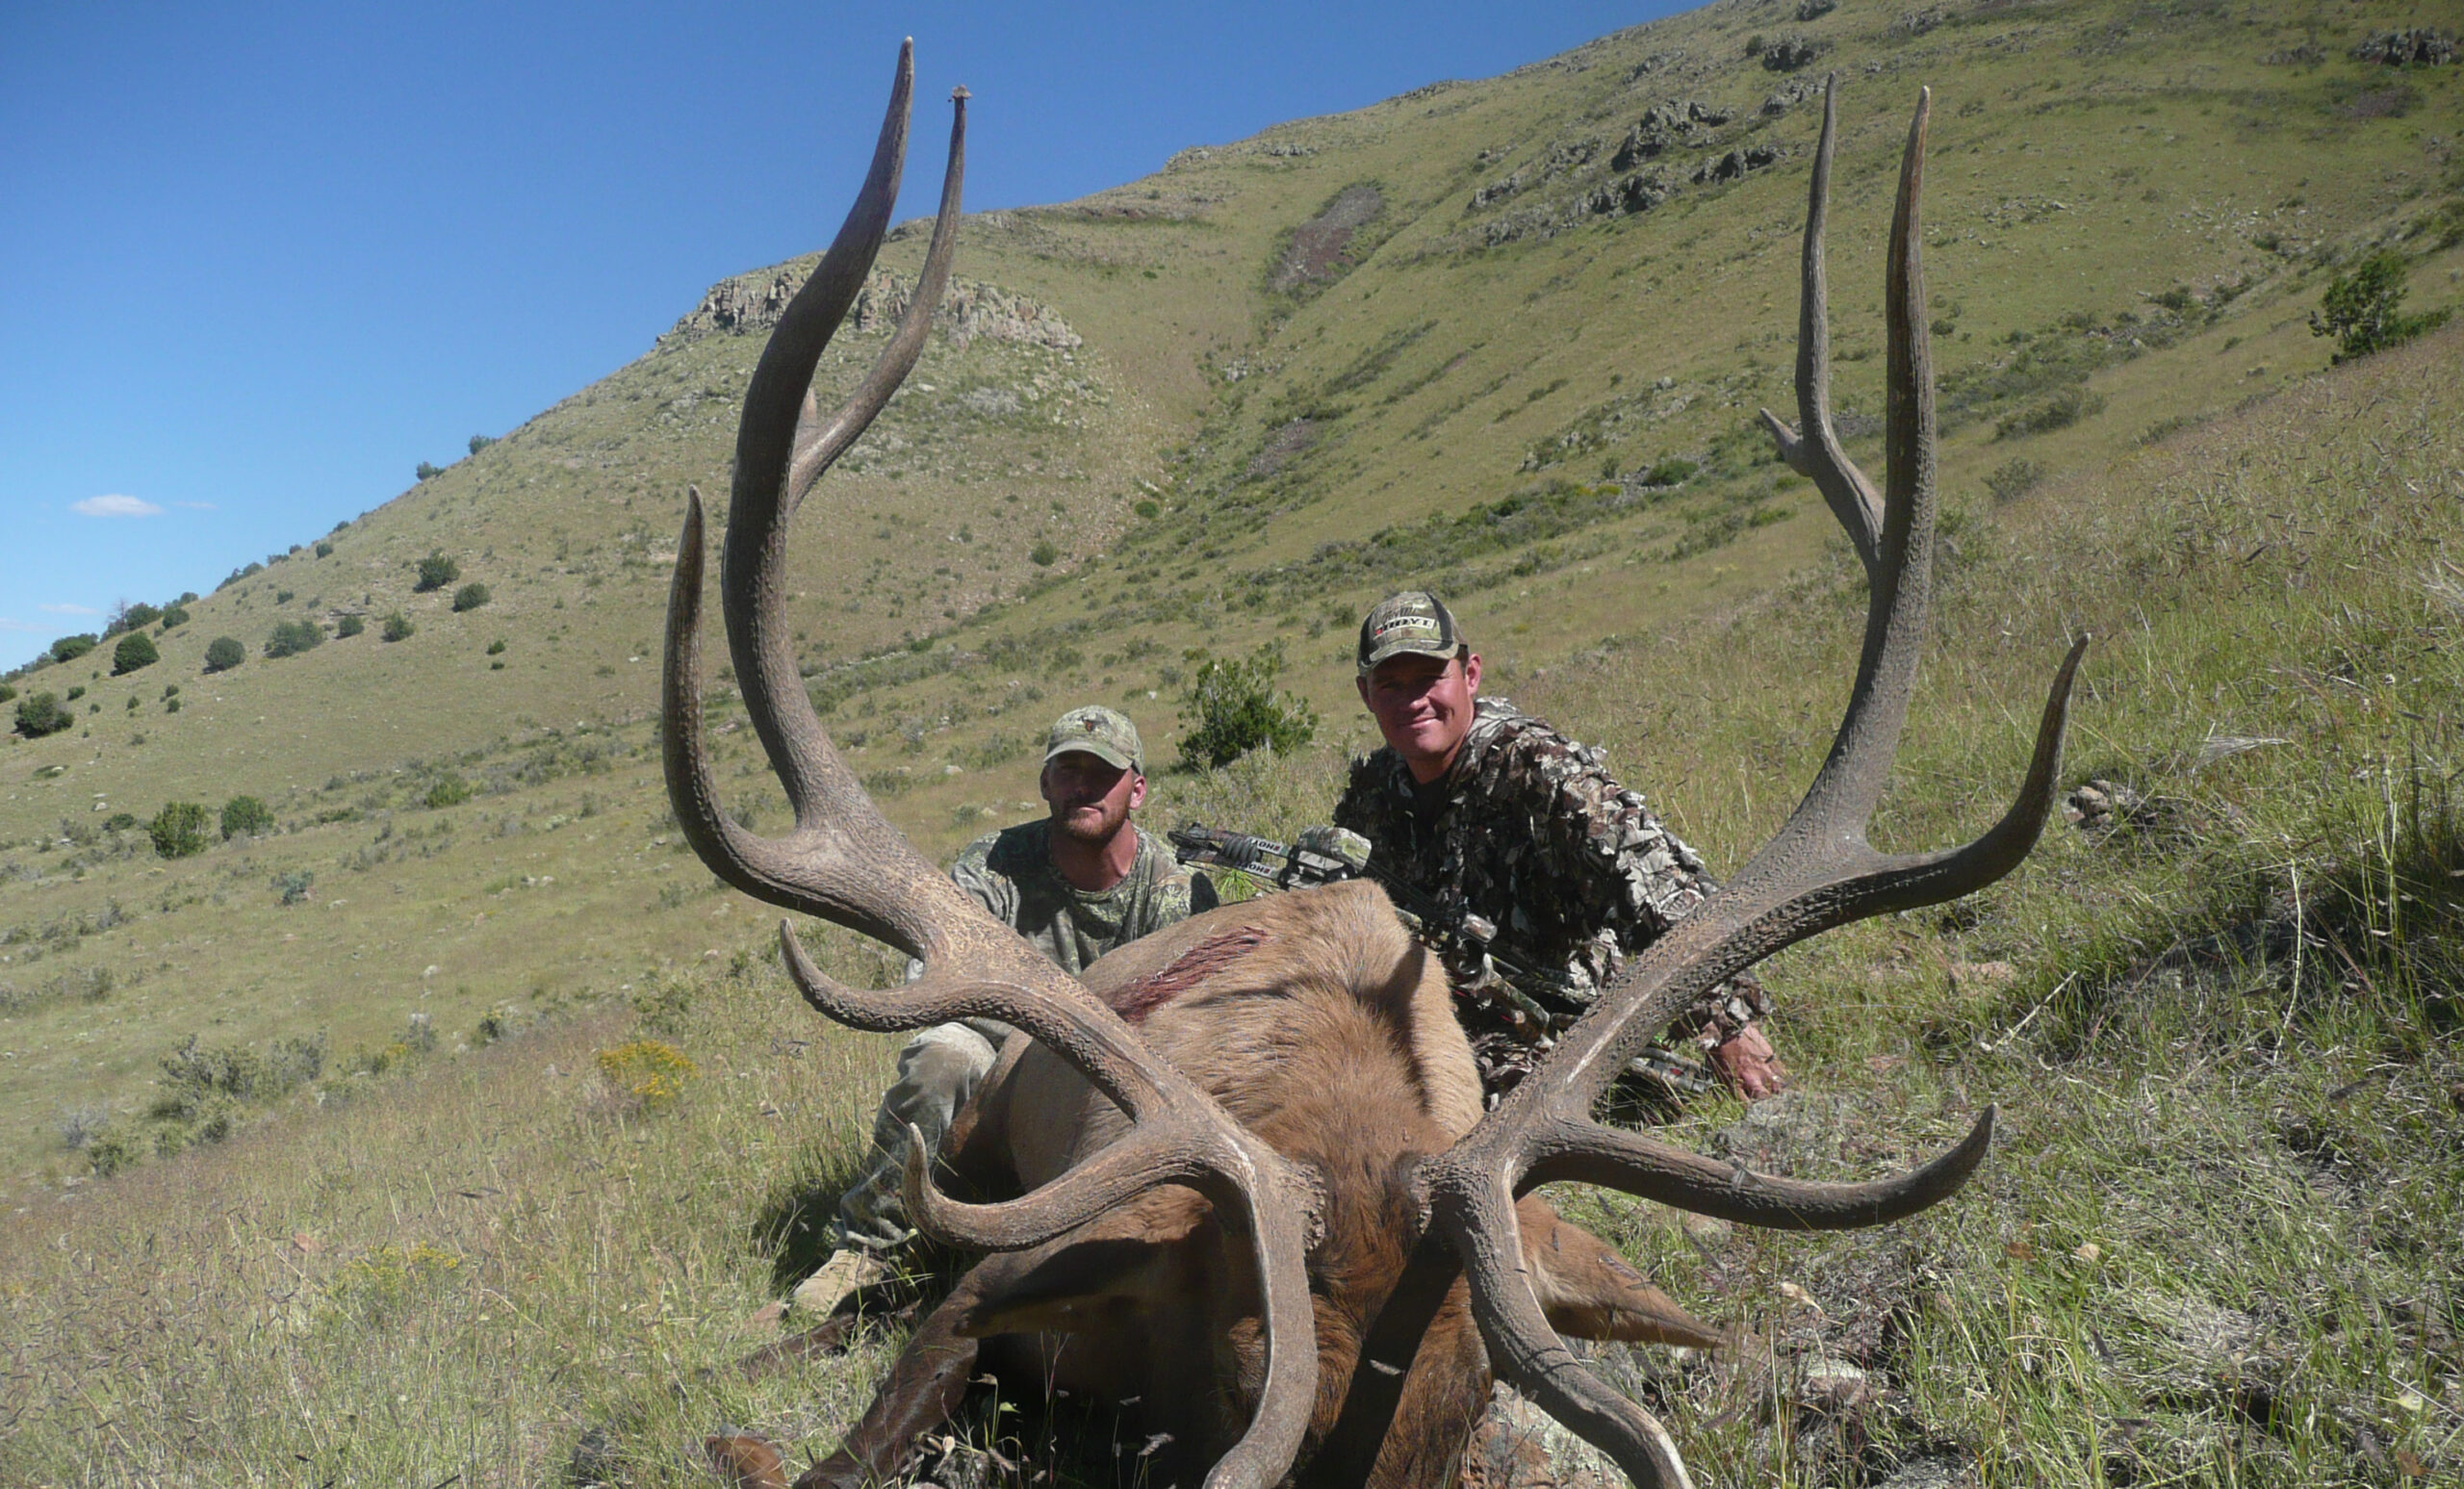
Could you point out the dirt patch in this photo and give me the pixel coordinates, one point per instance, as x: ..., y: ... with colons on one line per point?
x: 1317, y: 249
x: 1284, y: 446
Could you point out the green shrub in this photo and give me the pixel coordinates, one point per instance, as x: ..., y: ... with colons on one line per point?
x: 1235, y: 710
x: 113, y: 1149
x: 349, y: 626
x: 246, y: 816
x: 448, y: 791
x: 290, y: 638
x: 397, y: 627
x: 2014, y: 478
x: 1043, y: 554
x: 67, y: 649
x: 135, y: 649
x: 7, y: 692
x: 470, y: 597
x: 496, y: 647
x: 137, y: 617
x: 1675, y: 470
x: 77, y: 692
x: 2364, y: 309
x: 178, y: 830
x: 40, y: 713
x: 427, y: 469
x: 2061, y: 411
x: 325, y: 549
x: 436, y: 571
x: 480, y: 442
x: 119, y: 822
x: 176, y: 615
x: 293, y: 885
x: 224, y: 652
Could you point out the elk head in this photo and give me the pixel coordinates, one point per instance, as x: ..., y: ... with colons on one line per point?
x: 843, y: 862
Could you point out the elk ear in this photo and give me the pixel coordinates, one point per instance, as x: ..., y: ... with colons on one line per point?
x: 1590, y: 1291
x: 1103, y: 1276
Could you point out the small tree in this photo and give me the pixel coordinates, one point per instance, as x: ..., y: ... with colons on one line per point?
x: 427, y: 470
x: 470, y: 597
x: 67, y: 649
x: 436, y: 571
x: 138, y: 616
x: 178, y: 830
x: 224, y: 652
x: 351, y: 625
x: 2364, y: 309
x: 246, y: 816
x: 7, y: 692
x: 135, y: 649
x: 1236, y: 709
x: 176, y: 615
x: 290, y: 638
x: 40, y: 713
x: 397, y: 627
x: 325, y: 549
x: 480, y: 442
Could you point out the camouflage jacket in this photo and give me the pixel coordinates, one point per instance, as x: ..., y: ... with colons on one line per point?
x: 1530, y: 830
x: 1010, y: 874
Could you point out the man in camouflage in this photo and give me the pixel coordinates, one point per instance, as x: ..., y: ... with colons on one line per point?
x: 1079, y: 883
x: 1491, y: 812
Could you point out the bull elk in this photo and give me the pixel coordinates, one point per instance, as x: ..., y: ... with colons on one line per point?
x: 1250, y: 1169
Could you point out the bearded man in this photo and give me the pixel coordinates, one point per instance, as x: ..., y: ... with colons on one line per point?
x: 1080, y: 882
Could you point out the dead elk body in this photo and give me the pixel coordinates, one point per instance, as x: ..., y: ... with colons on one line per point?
x: 1254, y: 1181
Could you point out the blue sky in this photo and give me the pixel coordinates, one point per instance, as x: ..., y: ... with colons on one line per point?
x: 261, y: 260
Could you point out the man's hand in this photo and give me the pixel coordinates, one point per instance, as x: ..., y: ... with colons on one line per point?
x: 1748, y: 1065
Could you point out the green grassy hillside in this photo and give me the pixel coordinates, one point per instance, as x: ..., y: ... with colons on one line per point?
x: 1471, y: 337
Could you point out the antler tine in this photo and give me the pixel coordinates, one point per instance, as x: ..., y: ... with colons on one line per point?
x: 1812, y: 449
x: 1478, y: 1221
x: 1591, y: 1152
x: 818, y: 447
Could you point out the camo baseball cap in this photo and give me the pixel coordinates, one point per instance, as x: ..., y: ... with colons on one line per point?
x: 1103, y: 732
x: 1412, y: 621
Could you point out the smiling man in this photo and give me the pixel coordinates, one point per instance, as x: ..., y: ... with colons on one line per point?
x: 1079, y: 883
x: 1491, y: 812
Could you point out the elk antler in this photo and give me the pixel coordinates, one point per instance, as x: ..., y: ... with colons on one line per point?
x: 1818, y: 872
x: 845, y: 862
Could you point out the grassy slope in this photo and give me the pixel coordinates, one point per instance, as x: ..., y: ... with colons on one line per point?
x: 2174, y: 154
x: 2217, y: 1243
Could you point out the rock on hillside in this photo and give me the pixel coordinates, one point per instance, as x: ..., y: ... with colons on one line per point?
x: 969, y: 310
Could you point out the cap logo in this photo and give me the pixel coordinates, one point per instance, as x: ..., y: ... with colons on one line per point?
x: 1412, y: 625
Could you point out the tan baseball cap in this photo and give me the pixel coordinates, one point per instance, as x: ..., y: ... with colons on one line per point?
x: 1411, y: 621
x: 1103, y: 732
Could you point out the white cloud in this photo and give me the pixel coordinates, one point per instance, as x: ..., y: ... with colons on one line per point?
x: 114, y: 505
x: 196, y: 507
x: 6, y: 624
x: 69, y: 609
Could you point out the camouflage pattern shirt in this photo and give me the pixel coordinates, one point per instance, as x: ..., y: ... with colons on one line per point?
x: 1010, y: 874
x: 1528, y: 830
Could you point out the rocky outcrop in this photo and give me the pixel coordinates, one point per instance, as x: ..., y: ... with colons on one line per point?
x: 969, y: 311
x: 1664, y: 126
x: 2413, y: 46
x: 1787, y: 53
x: 1735, y: 163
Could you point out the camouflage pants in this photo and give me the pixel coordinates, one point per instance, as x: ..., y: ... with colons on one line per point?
x: 938, y: 1071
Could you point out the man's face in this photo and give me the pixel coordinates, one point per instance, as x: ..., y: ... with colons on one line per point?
x: 1424, y: 707
x: 1091, y: 798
